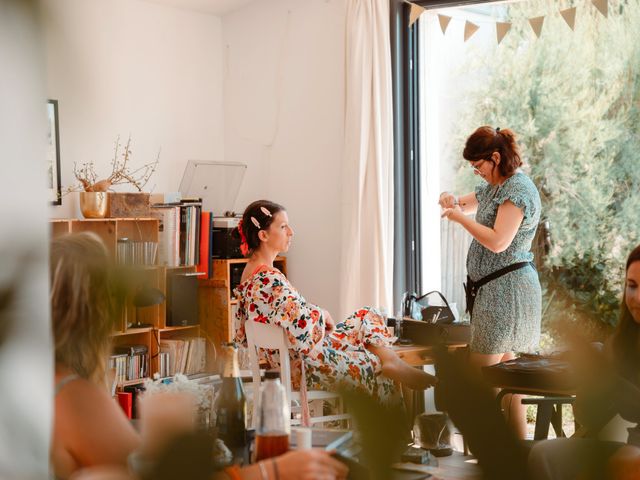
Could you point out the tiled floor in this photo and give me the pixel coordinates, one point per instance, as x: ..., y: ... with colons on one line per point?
x: 454, y: 467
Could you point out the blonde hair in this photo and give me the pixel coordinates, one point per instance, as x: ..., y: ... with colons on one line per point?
x: 83, y: 306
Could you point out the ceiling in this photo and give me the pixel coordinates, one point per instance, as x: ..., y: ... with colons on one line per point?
x: 214, y: 7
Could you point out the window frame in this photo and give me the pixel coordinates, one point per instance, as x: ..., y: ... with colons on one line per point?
x: 405, y: 64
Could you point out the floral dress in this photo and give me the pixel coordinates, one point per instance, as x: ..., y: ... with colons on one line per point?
x: 337, y: 359
x: 507, y: 310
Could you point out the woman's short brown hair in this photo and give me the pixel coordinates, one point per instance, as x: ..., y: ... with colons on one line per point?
x: 485, y: 140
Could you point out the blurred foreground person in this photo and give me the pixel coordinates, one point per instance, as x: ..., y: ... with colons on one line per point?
x: 615, y: 391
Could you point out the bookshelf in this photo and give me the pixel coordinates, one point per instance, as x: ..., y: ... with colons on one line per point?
x: 216, y: 303
x: 136, y: 230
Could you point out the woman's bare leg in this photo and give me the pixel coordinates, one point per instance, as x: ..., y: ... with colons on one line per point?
x: 514, y: 410
x: 396, y: 369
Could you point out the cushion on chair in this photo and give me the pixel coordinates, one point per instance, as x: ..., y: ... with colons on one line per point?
x: 532, y: 372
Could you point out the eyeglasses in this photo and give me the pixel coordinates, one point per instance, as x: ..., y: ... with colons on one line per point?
x: 476, y: 167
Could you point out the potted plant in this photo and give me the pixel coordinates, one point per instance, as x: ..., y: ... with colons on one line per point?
x: 95, y: 201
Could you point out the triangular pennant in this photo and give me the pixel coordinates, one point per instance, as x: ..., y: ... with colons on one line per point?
x: 536, y: 24
x: 469, y: 29
x: 501, y: 30
x: 414, y: 14
x: 602, y: 6
x: 444, y: 22
x: 569, y: 16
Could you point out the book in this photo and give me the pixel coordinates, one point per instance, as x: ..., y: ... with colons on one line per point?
x: 169, y: 234
x: 205, y: 265
x: 125, y: 399
x: 165, y: 198
x: 134, y: 390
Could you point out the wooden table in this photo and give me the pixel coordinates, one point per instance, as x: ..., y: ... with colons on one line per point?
x: 420, y: 355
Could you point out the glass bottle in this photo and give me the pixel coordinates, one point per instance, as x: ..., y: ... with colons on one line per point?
x: 232, y: 405
x: 274, y: 418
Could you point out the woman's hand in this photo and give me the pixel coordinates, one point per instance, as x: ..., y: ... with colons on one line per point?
x: 329, y: 324
x: 454, y: 214
x: 309, y: 465
x: 447, y: 200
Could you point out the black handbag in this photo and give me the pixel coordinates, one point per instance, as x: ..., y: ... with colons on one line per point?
x: 428, y: 320
x: 431, y: 307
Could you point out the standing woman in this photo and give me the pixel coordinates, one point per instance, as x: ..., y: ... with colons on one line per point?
x: 503, y: 290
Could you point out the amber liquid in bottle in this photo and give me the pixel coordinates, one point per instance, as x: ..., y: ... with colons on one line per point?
x: 271, y: 445
x: 232, y: 404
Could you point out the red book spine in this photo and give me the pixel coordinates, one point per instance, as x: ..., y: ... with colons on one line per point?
x: 205, y: 258
x: 125, y: 399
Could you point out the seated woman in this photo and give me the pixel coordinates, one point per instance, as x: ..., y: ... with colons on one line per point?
x: 355, y: 352
x: 617, y: 392
x: 90, y: 429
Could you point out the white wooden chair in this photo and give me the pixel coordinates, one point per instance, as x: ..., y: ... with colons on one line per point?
x: 272, y: 337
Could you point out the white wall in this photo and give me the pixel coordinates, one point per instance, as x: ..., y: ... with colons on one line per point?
x: 132, y: 67
x: 284, y: 118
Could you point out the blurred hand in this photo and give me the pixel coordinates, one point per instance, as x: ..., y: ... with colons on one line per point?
x: 310, y: 465
x: 329, y: 323
x: 453, y: 214
x: 625, y: 464
x: 447, y: 200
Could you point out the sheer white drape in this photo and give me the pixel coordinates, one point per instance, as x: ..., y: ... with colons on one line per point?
x: 367, y: 228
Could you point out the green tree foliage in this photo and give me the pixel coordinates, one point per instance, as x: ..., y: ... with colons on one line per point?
x: 573, y: 98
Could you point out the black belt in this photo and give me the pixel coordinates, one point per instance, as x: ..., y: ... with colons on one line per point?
x: 471, y: 288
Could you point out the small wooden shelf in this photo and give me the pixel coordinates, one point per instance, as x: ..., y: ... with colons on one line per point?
x: 132, y: 331
x: 175, y: 329
x: 131, y: 382
x: 137, y: 229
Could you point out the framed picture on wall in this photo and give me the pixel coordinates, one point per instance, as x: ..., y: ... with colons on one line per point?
x: 53, y: 154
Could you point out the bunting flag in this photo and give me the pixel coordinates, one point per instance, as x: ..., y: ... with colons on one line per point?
x: 569, y: 16
x: 501, y: 30
x: 444, y: 22
x: 536, y: 25
x: 602, y: 6
x: 469, y: 29
x: 414, y: 14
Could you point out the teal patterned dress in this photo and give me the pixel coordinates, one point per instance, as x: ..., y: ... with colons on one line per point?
x: 507, y: 310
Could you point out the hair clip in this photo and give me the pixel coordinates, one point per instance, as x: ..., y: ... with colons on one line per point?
x: 265, y: 211
x: 497, y: 129
x: 255, y: 222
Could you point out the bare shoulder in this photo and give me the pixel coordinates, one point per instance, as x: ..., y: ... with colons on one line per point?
x: 91, y: 426
x: 81, y: 402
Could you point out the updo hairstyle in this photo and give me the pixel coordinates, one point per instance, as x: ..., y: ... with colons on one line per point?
x: 486, y: 140
x: 256, y: 210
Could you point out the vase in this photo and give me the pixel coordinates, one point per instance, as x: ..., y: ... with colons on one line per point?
x: 94, y: 204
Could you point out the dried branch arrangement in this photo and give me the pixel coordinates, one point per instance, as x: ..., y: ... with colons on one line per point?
x: 121, y: 172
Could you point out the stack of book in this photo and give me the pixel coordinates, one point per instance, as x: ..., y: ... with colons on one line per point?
x: 130, y: 362
x: 186, y: 356
x: 180, y: 231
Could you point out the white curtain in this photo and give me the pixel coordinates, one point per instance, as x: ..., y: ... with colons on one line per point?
x: 367, y: 228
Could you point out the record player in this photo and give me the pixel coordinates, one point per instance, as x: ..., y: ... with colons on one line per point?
x: 218, y: 184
